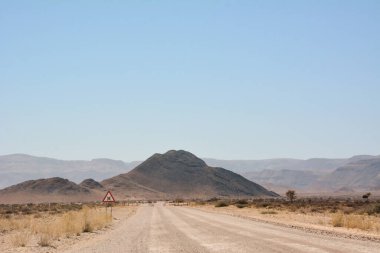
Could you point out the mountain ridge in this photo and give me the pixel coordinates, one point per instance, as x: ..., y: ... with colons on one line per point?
x: 180, y: 173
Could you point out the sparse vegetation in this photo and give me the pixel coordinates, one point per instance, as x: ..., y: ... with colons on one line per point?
x: 44, y: 240
x: 221, y: 204
x: 337, y: 220
x: 241, y: 203
x: 49, y: 225
x: 291, y: 195
x: 363, y: 222
x: 375, y: 209
x: 366, y: 196
x: 20, y: 239
x: 346, y: 213
x: 268, y: 212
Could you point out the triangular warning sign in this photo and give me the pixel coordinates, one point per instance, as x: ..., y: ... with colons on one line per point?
x: 108, y: 197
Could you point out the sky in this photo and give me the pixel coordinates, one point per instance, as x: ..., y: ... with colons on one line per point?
x: 221, y: 79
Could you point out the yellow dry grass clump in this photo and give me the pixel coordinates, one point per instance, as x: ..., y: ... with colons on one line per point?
x: 20, y: 239
x: 52, y: 227
x: 364, y: 222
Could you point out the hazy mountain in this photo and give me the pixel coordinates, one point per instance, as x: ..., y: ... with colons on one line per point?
x: 296, y: 179
x: 359, y: 175
x: 181, y: 174
x: 282, y: 174
x: 274, y: 174
x: 47, y: 190
x: 321, y: 165
x: 19, y: 167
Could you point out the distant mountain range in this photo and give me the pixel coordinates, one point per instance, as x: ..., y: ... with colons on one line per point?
x: 17, y: 168
x: 175, y: 174
x: 355, y: 174
x: 361, y: 175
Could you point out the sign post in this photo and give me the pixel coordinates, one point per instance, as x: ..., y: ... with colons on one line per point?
x: 108, y: 199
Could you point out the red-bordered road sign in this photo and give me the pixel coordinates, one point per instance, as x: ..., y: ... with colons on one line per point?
x: 109, y: 197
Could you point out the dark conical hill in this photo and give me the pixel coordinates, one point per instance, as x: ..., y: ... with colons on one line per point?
x: 182, y: 174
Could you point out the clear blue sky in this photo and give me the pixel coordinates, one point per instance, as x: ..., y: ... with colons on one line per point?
x: 222, y: 79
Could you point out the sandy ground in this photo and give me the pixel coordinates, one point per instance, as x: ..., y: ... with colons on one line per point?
x: 163, y: 228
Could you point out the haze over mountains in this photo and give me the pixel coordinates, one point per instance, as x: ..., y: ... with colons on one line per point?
x: 358, y: 173
x: 54, y: 189
x: 182, y: 174
x: 170, y: 175
x: 17, y: 168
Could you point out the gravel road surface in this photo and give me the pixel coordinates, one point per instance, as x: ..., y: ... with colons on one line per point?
x: 162, y: 228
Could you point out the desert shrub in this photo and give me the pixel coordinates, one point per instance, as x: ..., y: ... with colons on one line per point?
x: 179, y: 200
x: 337, y: 220
x: 37, y: 215
x: 262, y: 204
x: 375, y: 209
x: 20, y: 239
x: 87, y: 228
x: 69, y: 224
x: 291, y: 195
x: 214, y: 199
x: 45, y: 240
x: 269, y: 212
x: 72, y: 224
x: 358, y: 221
x: 348, y: 210
x: 352, y: 221
x: 242, y: 202
x: 240, y: 205
x: 95, y: 219
x: 221, y: 204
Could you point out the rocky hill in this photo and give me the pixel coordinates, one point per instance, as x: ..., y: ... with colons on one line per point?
x: 47, y: 190
x: 91, y: 184
x: 181, y: 174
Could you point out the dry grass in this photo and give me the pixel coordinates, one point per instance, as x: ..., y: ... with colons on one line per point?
x: 74, y: 223
x: 20, y: 239
x: 45, y: 240
x: 326, y: 212
x: 363, y: 222
x: 268, y: 212
x: 47, y: 227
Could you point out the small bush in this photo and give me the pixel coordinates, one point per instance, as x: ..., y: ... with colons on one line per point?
x: 214, y: 199
x: 352, y: 221
x: 179, y: 200
x: 374, y: 209
x: 221, y: 204
x: 87, y: 228
x: 240, y: 205
x: 45, y: 240
x: 37, y: 216
x: 356, y: 221
x: 20, y: 239
x: 242, y: 202
x: 337, y: 220
x: 269, y: 212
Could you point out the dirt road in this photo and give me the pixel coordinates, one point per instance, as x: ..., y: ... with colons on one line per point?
x: 161, y: 228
